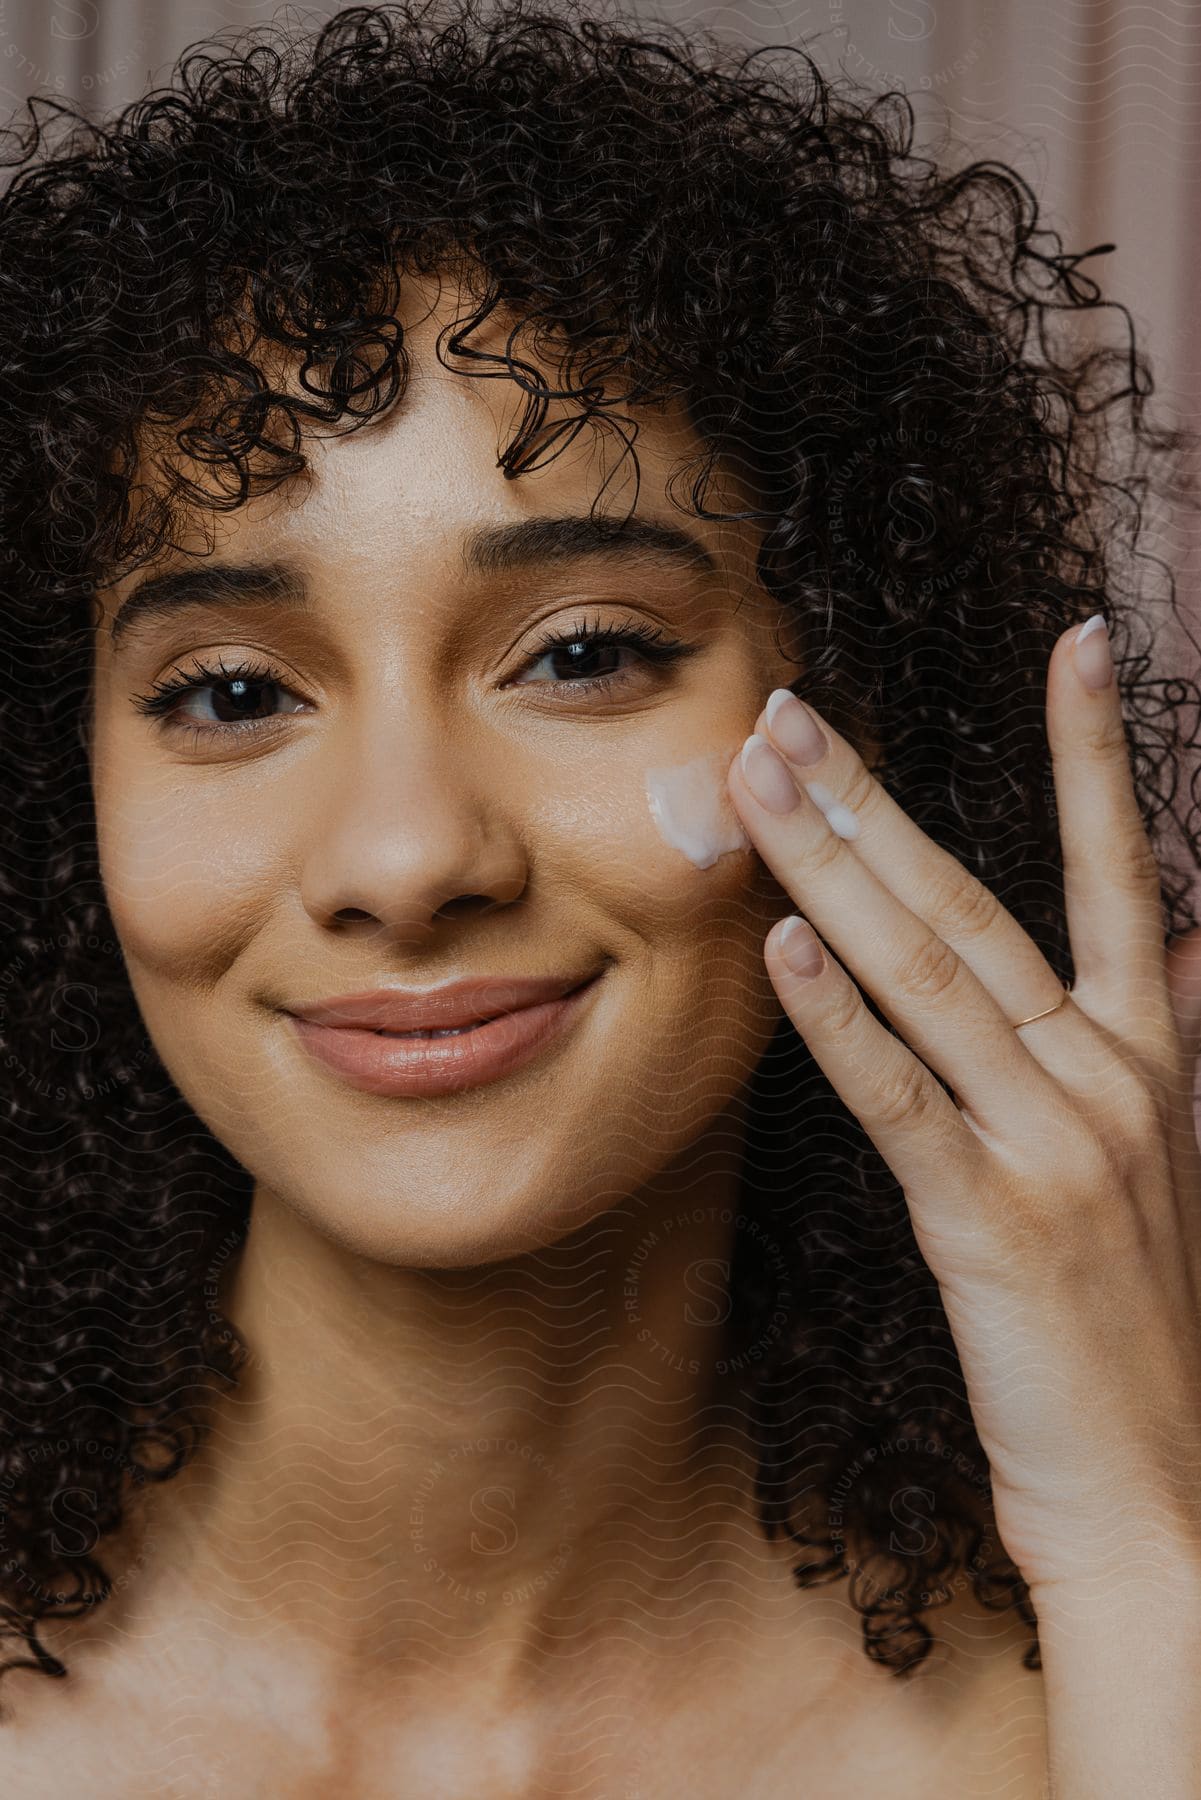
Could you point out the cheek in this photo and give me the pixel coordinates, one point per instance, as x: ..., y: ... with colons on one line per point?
x: 647, y: 837
x: 668, y: 863
x: 183, y: 875
x: 658, y: 850
x: 691, y: 809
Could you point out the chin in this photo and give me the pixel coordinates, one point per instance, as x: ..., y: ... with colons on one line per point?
x: 441, y: 1223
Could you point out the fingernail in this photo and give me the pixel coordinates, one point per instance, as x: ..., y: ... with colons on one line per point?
x: 794, y: 727
x: 1091, y: 654
x: 767, y: 777
x: 800, y: 947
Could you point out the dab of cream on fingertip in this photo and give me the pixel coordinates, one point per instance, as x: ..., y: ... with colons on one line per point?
x: 839, y: 818
x: 692, y: 811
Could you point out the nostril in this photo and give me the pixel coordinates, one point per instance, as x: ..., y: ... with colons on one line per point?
x: 466, y: 903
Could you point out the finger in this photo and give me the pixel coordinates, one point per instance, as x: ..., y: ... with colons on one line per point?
x: 1183, y: 964
x: 914, y: 1124
x: 931, y: 882
x: 1111, y: 878
x: 937, y: 889
x: 923, y: 986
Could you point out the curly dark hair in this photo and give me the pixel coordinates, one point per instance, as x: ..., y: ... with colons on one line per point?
x: 953, y: 467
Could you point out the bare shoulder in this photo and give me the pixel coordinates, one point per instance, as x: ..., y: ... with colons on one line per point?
x: 170, y: 1702
x: 969, y: 1724
x: 128, y: 1730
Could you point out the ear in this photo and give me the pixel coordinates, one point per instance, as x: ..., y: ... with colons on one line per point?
x: 1184, y: 983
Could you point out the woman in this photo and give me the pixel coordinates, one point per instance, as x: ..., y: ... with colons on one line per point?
x: 562, y: 1210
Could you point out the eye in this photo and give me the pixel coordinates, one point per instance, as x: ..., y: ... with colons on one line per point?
x: 588, y: 658
x: 236, y: 698
x: 253, y: 696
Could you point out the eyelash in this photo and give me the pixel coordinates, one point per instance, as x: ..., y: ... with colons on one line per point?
x: 653, y: 645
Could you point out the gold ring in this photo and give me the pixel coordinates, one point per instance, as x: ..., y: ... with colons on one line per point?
x: 1047, y: 1009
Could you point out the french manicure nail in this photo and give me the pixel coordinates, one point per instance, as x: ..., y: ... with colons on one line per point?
x: 800, y: 947
x: 794, y: 727
x: 1091, y: 654
x: 768, y: 777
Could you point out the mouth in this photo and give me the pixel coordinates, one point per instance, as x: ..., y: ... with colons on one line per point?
x: 443, y: 1032
x: 446, y: 1059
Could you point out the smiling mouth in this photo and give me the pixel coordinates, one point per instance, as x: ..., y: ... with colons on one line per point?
x: 426, y: 1061
x: 445, y: 1031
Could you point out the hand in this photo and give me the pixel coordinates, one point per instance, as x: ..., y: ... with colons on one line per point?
x: 1055, y: 1193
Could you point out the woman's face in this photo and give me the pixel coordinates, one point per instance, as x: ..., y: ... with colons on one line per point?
x: 423, y: 794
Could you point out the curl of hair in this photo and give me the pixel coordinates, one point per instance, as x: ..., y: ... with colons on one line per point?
x: 954, y: 466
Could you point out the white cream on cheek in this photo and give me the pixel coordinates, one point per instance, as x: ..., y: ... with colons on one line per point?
x: 692, y: 810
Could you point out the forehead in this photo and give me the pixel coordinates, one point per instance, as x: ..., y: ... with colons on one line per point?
x: 423, y: 476
x: 428, y: 471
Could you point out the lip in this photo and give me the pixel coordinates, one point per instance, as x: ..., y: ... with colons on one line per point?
x: 526, y: 1017
x: 438, y: 1009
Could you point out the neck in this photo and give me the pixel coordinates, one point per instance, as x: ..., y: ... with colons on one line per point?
x: 419, y: 1463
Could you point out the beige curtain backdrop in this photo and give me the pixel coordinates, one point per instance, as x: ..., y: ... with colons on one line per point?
x: 1097, y: 102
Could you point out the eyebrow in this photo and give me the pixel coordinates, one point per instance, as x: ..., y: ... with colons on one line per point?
x: 488, y: 550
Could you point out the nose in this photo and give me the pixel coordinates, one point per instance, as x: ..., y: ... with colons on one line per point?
x: 409, y: 825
